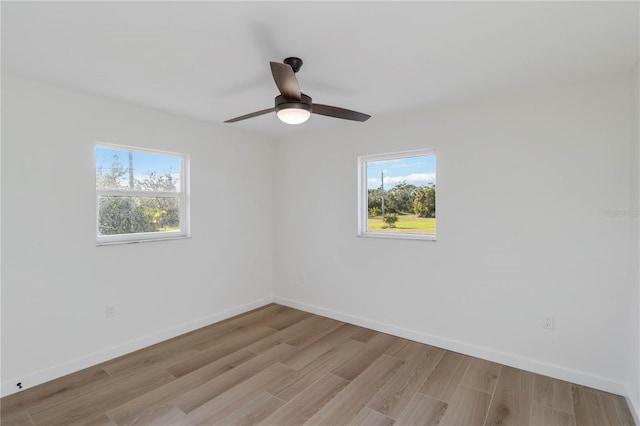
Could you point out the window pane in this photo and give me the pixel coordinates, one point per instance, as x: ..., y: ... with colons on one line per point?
x: 401, y: 195
x: 126, y: 215
x: 121, y: 169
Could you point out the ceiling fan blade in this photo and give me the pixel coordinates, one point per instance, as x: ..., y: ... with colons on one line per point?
x: 253, y: 114
x: 286, y: 80
x: 346, y: 114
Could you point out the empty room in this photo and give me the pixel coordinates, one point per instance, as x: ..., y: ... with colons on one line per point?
x: 323, y: 213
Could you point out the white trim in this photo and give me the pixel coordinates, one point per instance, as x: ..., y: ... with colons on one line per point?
x: 140, y: 237
x: 106, y: 145
x: 126, y: 192
x: 185, y: 209
x: 363, y: 194
x: 397, y: 236
x: 399, y: 154
x: 516, y: 361
x: 151, y: 237
x: 38, y: 377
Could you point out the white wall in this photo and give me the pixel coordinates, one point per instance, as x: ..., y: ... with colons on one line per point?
x: 523, y: 183
x: 633, y: 352
x: 56, y: 282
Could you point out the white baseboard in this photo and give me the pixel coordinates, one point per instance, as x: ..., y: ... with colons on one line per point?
x: 8, y: 387
x: 574, y: 376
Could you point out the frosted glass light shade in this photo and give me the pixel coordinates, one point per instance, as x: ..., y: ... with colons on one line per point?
x: 293, y: 115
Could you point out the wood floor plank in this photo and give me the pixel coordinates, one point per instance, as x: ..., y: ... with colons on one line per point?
x: 51, y: 393
x: 160, y: 414
x: 241, y: 335
x: 511, y: 404
x: 364, y: 334
x: 255, y: 411
x: 220, y: 349
x: 369, y: 417
x: 608, y: 405
x: 293, y: 332
x: 481, y: 375
x: 144, y: 405
x: 216, y: 409
x: 96, y: 419
x: 422, y: 410
x: 257, y: 316
x: 593, y: 408
x: 468, y: 407
x: 396, y: 348
x: 587, y: 407
x: 312, y: 333
x: 624, y: 413
x: 445, y: 378
x: 164, y: 354
x: 319, y: 347
x: 15, y: 417
x: 553, y: 393
x: 308, y: 402
x: 408, y: 350
x: 87, y: 405
x: 396, y: 393
x: 353, y: 398
x: 286, y: 319
x: 200, y: 395
x: 159, y: 361
x: 295, y: 383
x: 370, y: 352
x: 544, y: 415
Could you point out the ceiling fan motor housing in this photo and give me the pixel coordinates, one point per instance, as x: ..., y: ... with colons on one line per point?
x: 294, y: 63
x: 303, y: 103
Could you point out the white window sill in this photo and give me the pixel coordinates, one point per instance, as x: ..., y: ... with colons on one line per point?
x: 397, y: 236
x: 146, y: 240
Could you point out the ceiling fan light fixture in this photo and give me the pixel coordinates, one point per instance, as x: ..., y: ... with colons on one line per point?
x: 293, y: 115
x: 293, y: 112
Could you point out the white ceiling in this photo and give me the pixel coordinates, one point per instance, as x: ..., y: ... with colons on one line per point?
x: 210, y: 60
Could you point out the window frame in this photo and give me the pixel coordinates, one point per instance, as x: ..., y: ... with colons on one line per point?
x: 182, y: 194
x: 363, y: 194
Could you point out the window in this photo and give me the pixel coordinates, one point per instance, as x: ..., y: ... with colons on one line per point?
x: 397, y: 195
x: 141, y: 195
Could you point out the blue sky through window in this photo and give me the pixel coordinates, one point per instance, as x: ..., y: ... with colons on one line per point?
x: 143, y: 162
x: 420, y: 170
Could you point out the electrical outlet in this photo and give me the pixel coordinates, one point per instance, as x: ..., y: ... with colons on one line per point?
x: 109, y: 311
x: 548, y: 322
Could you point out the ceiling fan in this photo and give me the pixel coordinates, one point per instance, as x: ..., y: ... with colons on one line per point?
x: 294, y: 107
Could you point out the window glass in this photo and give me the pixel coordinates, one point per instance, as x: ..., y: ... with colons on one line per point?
x: 140, y: 194
x: 398, y: 195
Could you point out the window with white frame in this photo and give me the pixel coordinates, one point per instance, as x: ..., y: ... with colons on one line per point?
x: 141, y: 194
x: 397, y: 195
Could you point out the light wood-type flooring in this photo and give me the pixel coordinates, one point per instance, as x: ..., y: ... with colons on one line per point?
x: 281, y: 366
